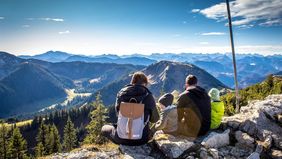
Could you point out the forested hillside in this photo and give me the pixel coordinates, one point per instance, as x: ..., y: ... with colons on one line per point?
x: 272, y: 85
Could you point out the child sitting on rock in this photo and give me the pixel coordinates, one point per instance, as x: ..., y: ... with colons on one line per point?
x: 168, y: 115
x: 217, y: 108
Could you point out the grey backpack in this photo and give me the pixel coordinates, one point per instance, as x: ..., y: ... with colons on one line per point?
x: 131, y: 122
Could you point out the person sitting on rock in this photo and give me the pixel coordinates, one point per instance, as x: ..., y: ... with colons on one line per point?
x: 193, y: 109
x: 168, y: 119
x: 135, y: 108
x: 217, y: 108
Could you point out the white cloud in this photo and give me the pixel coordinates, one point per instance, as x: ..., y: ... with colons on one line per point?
x: 246, y: 12
x: 1, y: 18
x: 52, y: 19
x: 272, y: 22
x: 25, y: 26
x: 195, y: 10
x: 262, y: 49
x: 47, y: 19
x: 64, y: 32
x: 246, y: 26
x: 213, y: 33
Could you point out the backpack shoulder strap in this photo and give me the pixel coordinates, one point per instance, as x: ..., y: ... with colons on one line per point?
x: 147, y: 121
x: 144, y: 97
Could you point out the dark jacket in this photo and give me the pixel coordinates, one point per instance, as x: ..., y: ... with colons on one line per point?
x: 194, y: 111
x: 140, y: 93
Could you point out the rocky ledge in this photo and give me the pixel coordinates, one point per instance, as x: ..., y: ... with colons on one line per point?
x: 253, y: 133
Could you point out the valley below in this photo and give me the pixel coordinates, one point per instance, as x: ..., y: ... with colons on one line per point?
x: 34, y: 85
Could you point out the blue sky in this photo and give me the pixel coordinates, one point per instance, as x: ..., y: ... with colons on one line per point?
x: 139, y: 26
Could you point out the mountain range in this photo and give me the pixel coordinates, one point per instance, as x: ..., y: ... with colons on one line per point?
x: 251, y: 68
x: 28, y: 85
x: 32, y: 83
x: 57, y: 56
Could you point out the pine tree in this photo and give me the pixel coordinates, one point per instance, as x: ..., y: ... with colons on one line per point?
x: 70, y: 138
x: 48, y: 140
x: 17, y: 145
x: 39, y: 150
x: 3, y: 141
x: 54, y: 144
x: 98, y: 119
x: 41, y: 139
x: 269, y: 82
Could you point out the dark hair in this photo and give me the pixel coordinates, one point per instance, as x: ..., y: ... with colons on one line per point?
x: 166, y: 99
x: 191, y: 80
x: 139, y: 78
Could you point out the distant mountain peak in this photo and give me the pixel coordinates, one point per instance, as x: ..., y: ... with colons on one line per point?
x: 6, y: 58
x: 51, y: 52
x: 164, y: 75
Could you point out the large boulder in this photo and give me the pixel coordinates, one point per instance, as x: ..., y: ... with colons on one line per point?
x: 216, y: 140
x: 244, y: 140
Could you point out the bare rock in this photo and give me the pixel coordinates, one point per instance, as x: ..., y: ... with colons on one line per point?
x: 173, y: 146
x: 87, y: 154
x: 216, y: 140
x: 256, y: 154
x: 204, y: 154
x: 214, y: 153
x: 266, y: 144
x: 234, y: 124
x: 136, y: 152
x: 244, y: 138
x: 137, y: 156
x: 106, y: 155
x: 277, y: 141
x: 279, y: 118
x: 73, y: 155
x: 240, y: 152
x: 276, y: 154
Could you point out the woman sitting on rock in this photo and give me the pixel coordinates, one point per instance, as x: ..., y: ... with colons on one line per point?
x: 135, y: 108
